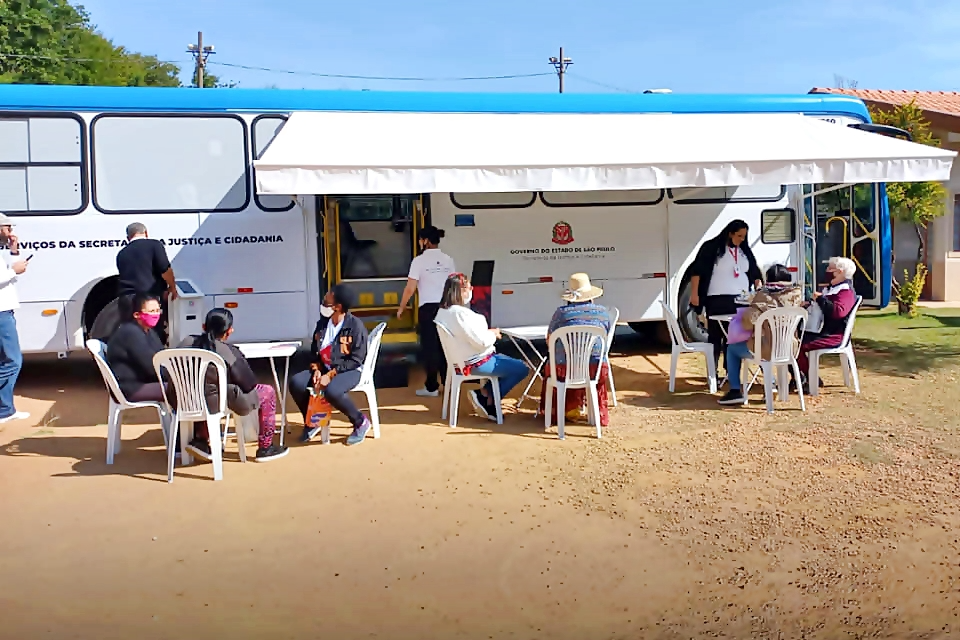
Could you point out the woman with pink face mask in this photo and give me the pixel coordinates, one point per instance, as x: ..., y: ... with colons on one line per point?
x: 130, y: 352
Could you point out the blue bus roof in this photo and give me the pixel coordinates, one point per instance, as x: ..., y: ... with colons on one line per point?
x: 98, y: 99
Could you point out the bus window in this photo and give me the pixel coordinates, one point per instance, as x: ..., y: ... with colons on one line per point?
x: 42, y: 170
x: 602, y: 198
x: 265, y: 129
x: 518, y: 200
x: 374, y: 237
x: 722, y: 195
x: 169, y: 163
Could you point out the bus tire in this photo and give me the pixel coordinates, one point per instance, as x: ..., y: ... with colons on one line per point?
x: 100, y: 312
x: 689, y: 323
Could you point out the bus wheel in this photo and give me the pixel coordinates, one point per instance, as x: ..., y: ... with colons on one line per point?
x: 689, y: 323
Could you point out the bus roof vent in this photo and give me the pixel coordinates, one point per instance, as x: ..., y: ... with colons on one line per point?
x: 658, y: 91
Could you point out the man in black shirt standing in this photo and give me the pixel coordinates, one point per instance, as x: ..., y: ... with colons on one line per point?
x: 144, y: 268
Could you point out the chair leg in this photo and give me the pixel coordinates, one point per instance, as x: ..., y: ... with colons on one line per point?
x: 613, y: 388
x: 796, y: 373
x: 113, y: 426
x: 561, y: 405
x: 594, y: 400
x: 852, y: 367
x: 711, y: 373
x: 497, y: 400
x: 226, y: 429
x: 186, y: 435
x: 814, y: 375
x: 454, y: 408
x: 240, y: 433
x: 445, y: 407
x: 768, y: 386
x: 674, y: 356
x: 118, y: 428
x: 548, y: 405
x: 172, y: 449
x: 375, y: 409
x: 216, y: 451
x: 783, y: 383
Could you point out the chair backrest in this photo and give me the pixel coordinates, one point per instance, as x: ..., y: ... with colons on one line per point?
x: 99, y: 352
x: 851, y: 319
x: 676, y: 334
x: 783, y: 323
x: 374, y: 340
x: 578, y: 344
x: 187, y: 371
x: 614, y: 318
x: 449, y: 345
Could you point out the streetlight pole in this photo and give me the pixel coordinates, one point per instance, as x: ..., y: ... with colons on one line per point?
x: 560, y: 65
x: 201, y: 52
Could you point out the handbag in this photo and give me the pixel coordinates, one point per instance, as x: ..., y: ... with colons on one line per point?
x: 318, y: 413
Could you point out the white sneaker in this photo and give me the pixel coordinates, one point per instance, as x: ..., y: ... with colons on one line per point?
x: 425, y: 393
x: 19, y: 415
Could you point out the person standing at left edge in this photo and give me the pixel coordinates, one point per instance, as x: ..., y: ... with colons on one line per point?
x: 11, y: 359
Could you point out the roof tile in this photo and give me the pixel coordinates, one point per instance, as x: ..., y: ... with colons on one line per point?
x: 947, y: 102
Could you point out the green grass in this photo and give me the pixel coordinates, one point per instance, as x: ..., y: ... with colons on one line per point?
x: 895, y: 345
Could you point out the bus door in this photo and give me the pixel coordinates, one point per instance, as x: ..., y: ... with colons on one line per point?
x: 368, y: 242
x: 844, y: 221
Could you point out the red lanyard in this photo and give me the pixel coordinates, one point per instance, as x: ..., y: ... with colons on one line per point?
x: 735, y: 251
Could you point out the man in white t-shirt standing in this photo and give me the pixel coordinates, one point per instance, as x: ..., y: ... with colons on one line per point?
x: 428, y: 273
x: 11, y: 359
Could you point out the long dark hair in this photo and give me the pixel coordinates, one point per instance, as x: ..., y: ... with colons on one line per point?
x: 722, y: 241
x: 215, y: 326
x: 432, y: 235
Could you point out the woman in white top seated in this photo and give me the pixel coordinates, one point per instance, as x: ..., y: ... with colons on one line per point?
x: 475, y: 343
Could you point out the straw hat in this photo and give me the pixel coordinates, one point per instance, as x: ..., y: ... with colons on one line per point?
x: 580, y: 289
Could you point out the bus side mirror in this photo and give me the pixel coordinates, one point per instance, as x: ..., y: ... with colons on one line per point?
x: 884, y: 130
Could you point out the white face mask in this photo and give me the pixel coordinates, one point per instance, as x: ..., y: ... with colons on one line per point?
x: 467, y: 297
x: 326, y: 311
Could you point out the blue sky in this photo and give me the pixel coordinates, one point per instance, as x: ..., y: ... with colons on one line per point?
x: 686, y: 45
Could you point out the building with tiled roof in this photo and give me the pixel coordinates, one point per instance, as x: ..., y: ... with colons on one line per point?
x: 942, y: 110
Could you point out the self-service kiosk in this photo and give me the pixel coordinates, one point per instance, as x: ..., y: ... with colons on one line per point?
x: 187, y: 313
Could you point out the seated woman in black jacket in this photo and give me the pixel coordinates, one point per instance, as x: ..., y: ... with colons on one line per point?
x: 338, y: 350
x: 130, y: 352
x: 244, y: 394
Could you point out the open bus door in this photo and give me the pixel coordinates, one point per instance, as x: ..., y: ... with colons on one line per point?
x: 847, y: 221
x: 368, y: 242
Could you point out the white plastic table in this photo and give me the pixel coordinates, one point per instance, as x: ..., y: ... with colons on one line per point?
x: 535, y: 360
x: 271, y: 350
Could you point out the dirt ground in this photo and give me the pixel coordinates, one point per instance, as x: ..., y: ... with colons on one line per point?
x: 683, y: 521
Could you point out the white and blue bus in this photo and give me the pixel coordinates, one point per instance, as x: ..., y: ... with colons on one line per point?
x: 78, y: 164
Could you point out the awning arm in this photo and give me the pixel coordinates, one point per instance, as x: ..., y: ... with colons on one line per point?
x: 835, y: 187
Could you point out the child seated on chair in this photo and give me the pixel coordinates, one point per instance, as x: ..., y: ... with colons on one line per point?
x: 580, y: 310
x: 244, y: 394
x: 338, y: 350
x: 778, y: 292
x: 476, y: 339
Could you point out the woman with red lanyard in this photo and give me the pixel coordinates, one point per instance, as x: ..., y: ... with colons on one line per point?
x: 723, y: 269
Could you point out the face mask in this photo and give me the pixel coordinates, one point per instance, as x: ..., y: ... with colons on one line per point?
x: 149, y: 319
x: 326, y: 311
x: 467, y: 297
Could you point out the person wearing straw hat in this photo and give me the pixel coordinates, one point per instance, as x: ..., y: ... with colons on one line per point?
x: 580, y: 310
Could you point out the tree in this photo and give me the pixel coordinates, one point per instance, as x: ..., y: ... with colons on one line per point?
x: 53, y: 42
x: 916, y: 203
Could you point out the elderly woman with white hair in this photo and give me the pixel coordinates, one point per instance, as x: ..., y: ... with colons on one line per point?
x: 836, y: 300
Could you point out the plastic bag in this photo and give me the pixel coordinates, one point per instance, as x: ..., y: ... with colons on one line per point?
x: 318, y: 414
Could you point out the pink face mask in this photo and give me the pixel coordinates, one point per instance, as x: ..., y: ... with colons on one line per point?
x: 149, y: 319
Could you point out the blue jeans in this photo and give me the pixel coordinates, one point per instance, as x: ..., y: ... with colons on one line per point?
x: 737, y: 352
x: 509, y: 372
x: 10, y: 362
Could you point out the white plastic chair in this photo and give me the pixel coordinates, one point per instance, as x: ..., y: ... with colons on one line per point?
x: 578, y: 344
x: 848, y: 362
x: 682, y: 346
x: 784, y: 324
x: 614, y: 317
x: 451, y: 386
x: 119, y: 404
x: 187, y: 371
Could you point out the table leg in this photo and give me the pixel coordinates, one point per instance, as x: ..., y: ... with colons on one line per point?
x: 536, y: 368
x: 283, y: 398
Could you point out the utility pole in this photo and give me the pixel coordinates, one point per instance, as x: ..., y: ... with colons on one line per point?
x: 201, y: 52
x: 560, y: 65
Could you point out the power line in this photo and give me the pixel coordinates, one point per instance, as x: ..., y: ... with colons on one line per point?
x: 25, y: 56
x: 560, y: 65
x: 602, y: 84
x: 394, y: 78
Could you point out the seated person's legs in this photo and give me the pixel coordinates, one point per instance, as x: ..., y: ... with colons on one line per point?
x: 338, y: 395
x: 737, y: 352
x: 300, y: 385
x: 509, y: 372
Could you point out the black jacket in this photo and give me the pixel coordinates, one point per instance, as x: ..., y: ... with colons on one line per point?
x: 706, y: 260
x: 130, y: 352
x: 239, y: 373
x: 349, y: 348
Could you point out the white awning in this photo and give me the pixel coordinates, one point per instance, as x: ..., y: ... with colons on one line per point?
x: 381, y: 153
